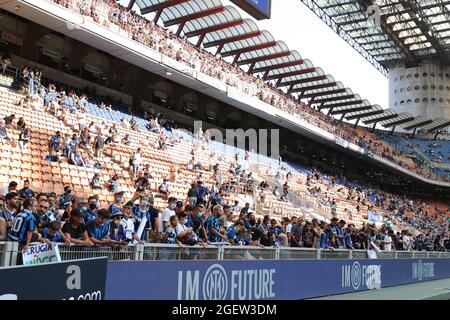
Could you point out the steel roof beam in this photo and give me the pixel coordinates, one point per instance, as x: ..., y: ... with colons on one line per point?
x: 418, y: 125
x: 278, y: 66
x: 396, y: 123
x: 362, y: 108
x: 314, y: 87
x: 248, y: 49
x: 350, y: 96
x: 130, y: 4
x: 364, y: 115
x: 324, y: 93
x: 161, y: 6
x: 440, y: 126
x: 263, y: 58
x: 204, y: 31
x: 300, y: 81
x: 195, y: 15
x: 232, y: 39
x: 290, y: 74
x: 379, y: 119
x: 421, y: 20
x: 341, y: 104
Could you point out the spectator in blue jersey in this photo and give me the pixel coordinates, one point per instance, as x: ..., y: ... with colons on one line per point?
x: 66, y: 198
x: 75, y: 230
x: 264, y: 226
x: 195, y: 213
x: 55, y: 141
x: 26, y: 192
x: 202, y: 191
x: 245, y: 210
x: 90, y: 213
x: 10, y: 208
x: 233, y: 233
x: 98, y: 229
x: 334, y: 233
x: 169, y: 235
x: 53, y: 233
x: 274, y: 228
x: 348, y: 239
x: 325, y: 236
x: 117, y: 231
x: 118, y: 200
x: 23, y: 229
x: 341, y: 234
x: 141, y: 213
x: 213, y: 225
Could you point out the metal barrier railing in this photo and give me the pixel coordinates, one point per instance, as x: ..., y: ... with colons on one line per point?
x: 174, y: 252
x: 114, y: 253
x: 249, y: 253
x: 155, y: 252
x: 8, y: 253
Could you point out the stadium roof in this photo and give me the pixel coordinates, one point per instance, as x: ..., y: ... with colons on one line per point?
x: 404, y: 30
x: 213, y: 25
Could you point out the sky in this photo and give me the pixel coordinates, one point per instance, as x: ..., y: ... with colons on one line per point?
x: 302, y: 30
x: 296, y: 25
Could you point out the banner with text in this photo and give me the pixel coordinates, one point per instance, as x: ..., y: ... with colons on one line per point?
x: 263, y: 280
x: 41, y: 253
x: 69, y: 280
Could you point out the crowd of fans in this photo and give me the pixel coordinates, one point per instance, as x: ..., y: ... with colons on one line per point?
x: 203, y: 217
x: 109, y: 12
x: 28, y: 217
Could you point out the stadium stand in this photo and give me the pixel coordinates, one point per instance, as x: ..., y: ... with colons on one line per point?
x: 128, y: 23
x: 171, y: 160
x: 132, y: 169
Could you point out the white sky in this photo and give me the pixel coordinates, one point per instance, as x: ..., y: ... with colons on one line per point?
x: 303, y: 31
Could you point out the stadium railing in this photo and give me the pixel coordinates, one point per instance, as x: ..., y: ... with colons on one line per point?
x: 155, y: 252
x: 8, y: 253
x: 160, y: 252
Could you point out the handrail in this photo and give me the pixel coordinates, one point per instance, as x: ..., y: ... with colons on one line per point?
x: 227, y: 252
x: 156, y: 251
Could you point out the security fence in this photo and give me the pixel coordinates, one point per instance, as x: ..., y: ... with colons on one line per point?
x: 8, y: 253
x: 158, y: 252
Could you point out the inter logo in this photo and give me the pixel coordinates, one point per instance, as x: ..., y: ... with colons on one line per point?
x: 215, y: 283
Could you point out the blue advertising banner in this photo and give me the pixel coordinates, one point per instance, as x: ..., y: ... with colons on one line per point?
x: 69, y: 280
x: 263, y: 280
